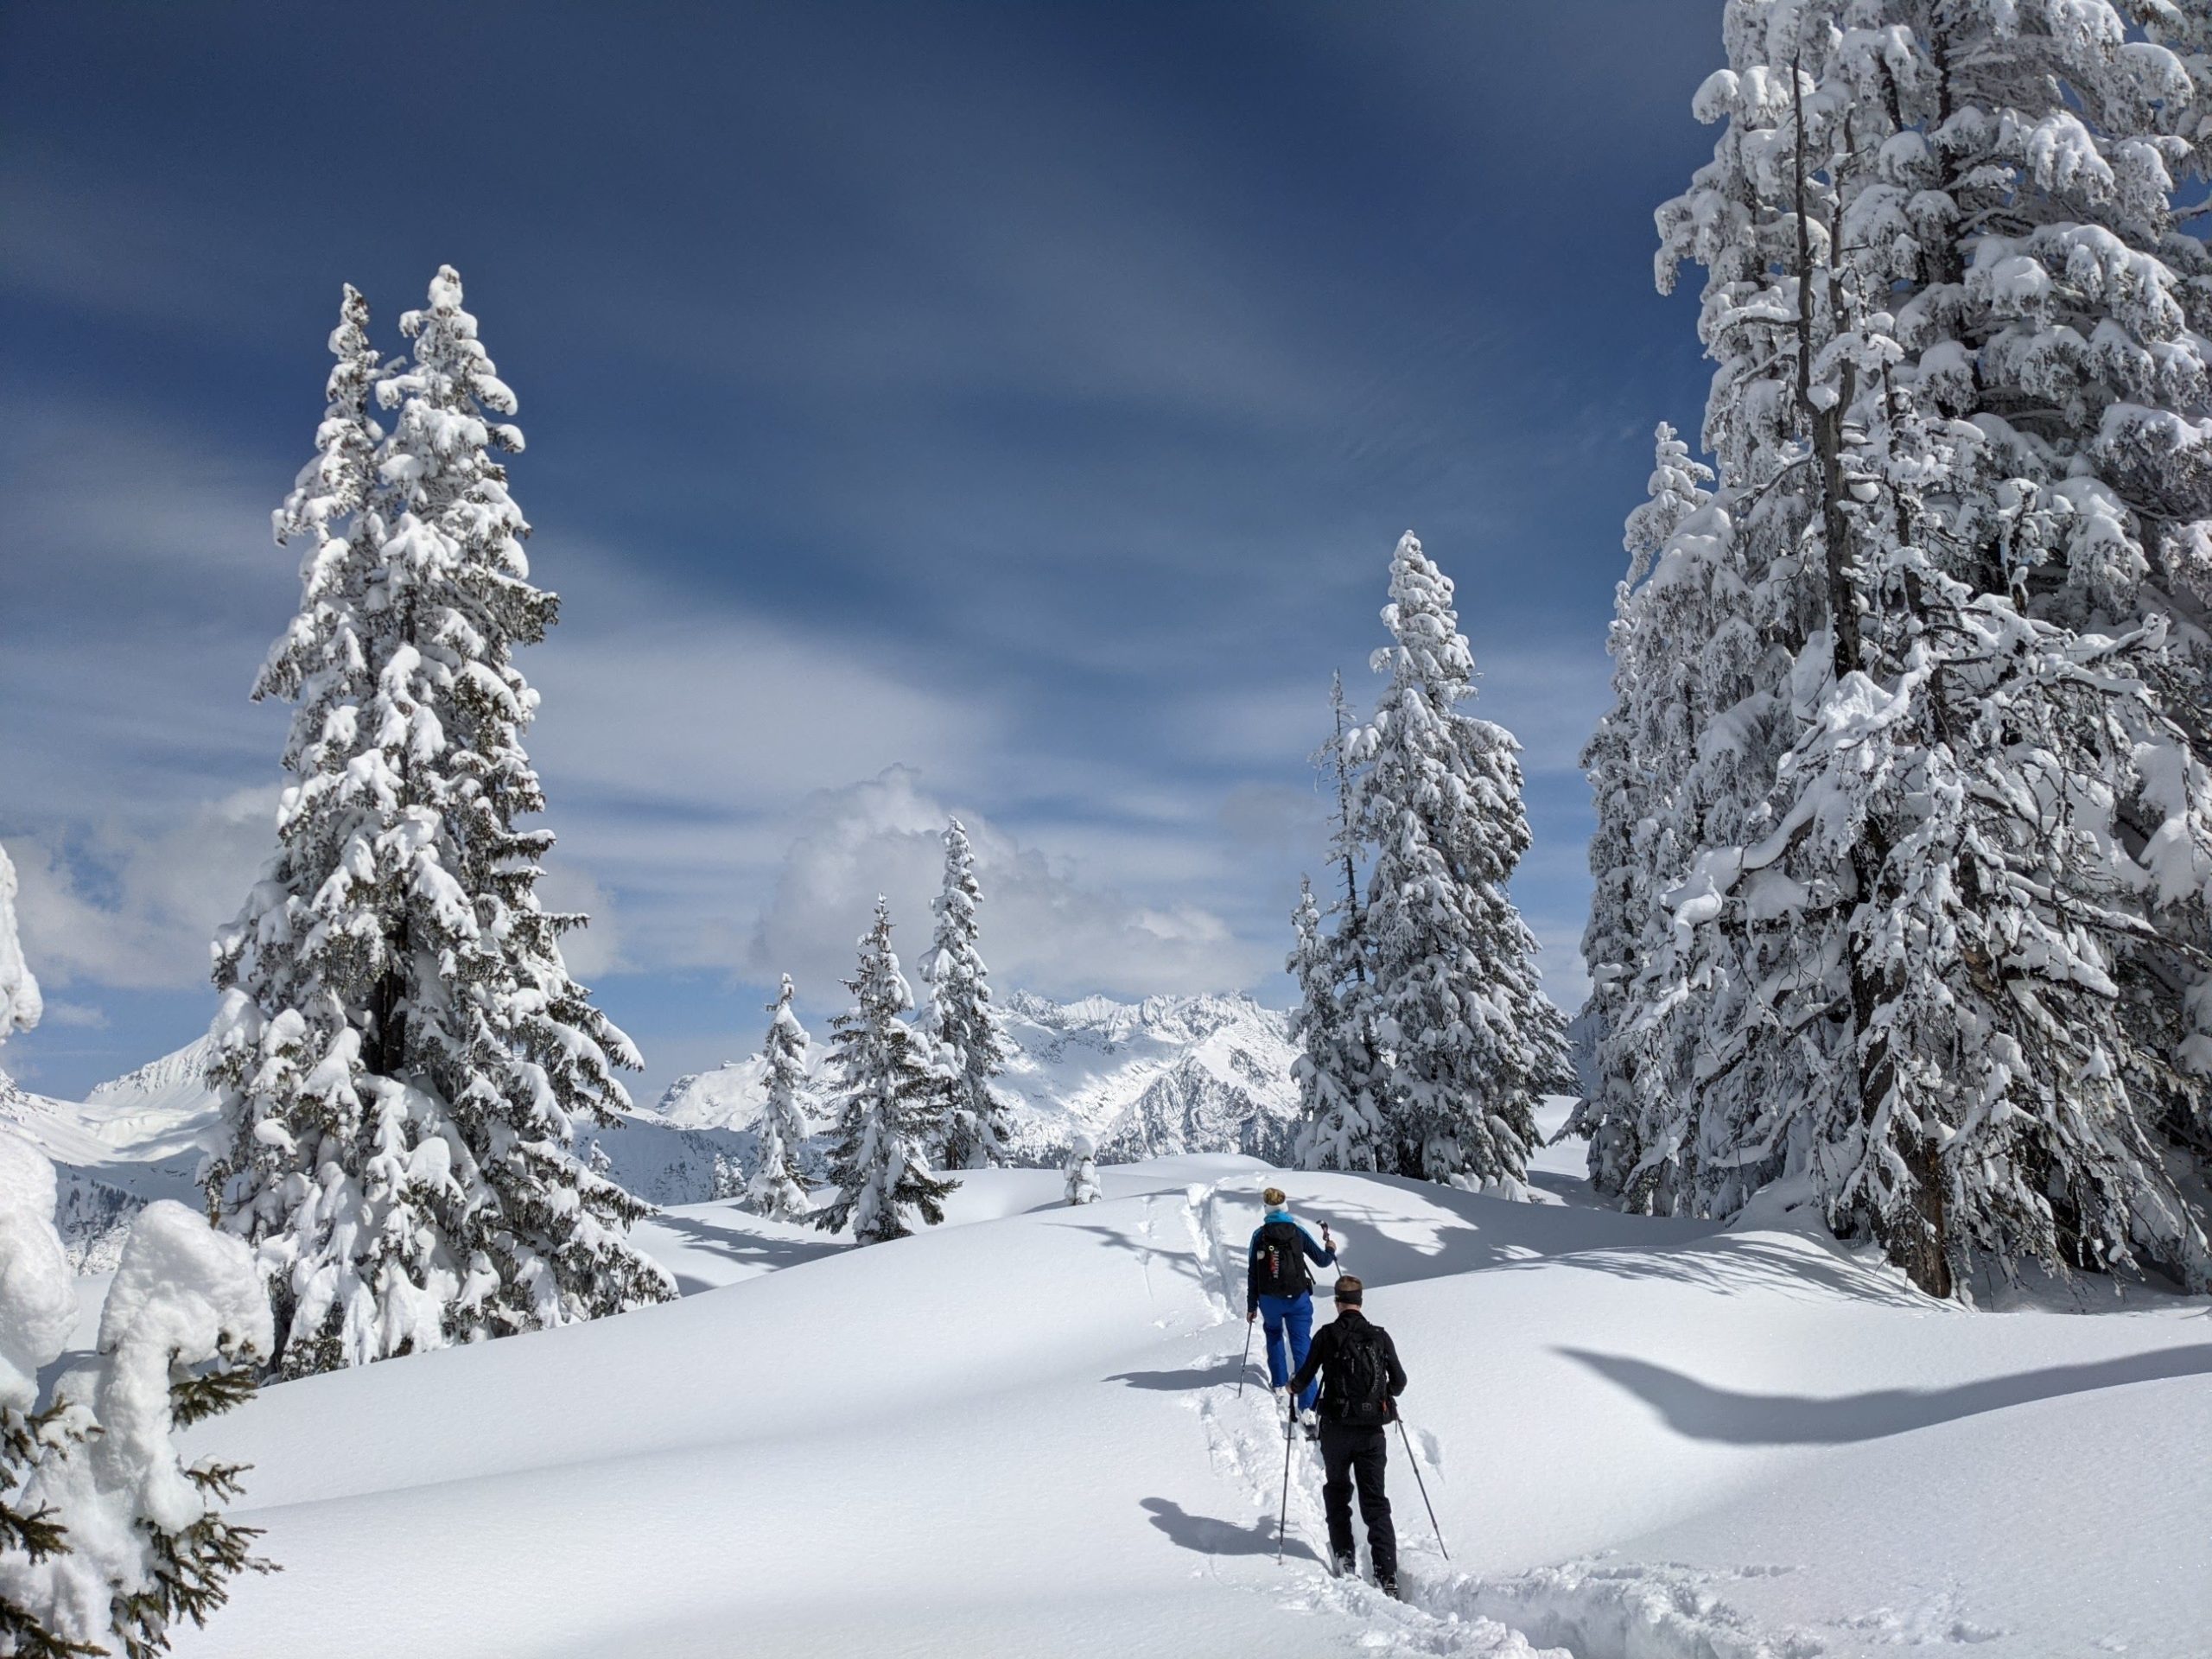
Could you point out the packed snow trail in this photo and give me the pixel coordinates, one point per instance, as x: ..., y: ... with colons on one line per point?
x: 1020, y: 1434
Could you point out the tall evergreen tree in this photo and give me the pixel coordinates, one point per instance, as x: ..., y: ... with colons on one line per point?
x: 1935, y: 947
x: 1666, y: 615
x: 402, y: 1056
x: 961, y: 1019
x: 1341, y: 1124
x: 891, y: 1097
x: 1471, y: 1039
x: 777, y: 1190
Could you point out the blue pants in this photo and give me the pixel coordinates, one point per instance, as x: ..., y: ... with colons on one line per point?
x: 1291, y: 1317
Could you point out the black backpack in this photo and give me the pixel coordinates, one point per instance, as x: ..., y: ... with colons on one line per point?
x: 1279, y: 1270
x: 1358, y: 1376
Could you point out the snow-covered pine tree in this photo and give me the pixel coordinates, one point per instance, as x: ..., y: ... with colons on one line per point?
x: 1081, y: 1171
x: 777, y: 1190
x: 402, y: 1056
x: 1340, y: 1124
x: 892, y: 1096
x: 1904, y: 964
x: 1639, y: 763
x: 961, y: 1019
x: 729, y: 1179
x: 1471, y: 1040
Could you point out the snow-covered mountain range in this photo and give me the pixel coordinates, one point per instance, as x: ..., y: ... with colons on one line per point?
x: 137, y: 1138
x: 1166, y: 1075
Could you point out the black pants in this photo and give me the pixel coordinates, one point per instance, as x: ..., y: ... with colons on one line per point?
x: 1349, y: 1452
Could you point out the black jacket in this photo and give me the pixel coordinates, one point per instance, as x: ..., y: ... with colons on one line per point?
x: 1322, y: 1355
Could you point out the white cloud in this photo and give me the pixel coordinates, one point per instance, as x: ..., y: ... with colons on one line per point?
x: 78, y: 1016
x: 591, y: 950
x: 1043, y: 928
x: 135, y: 907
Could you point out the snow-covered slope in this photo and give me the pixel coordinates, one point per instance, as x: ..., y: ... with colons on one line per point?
x: 1021, y: 1434
x: 1168, y: 1075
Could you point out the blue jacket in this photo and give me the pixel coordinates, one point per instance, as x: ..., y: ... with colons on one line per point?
x: 1314, y: 1253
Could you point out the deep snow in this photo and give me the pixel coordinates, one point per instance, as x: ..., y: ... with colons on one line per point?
x: 1020, y: 1433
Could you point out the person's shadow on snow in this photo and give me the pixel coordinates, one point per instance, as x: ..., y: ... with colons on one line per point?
x: 1212, y: 1537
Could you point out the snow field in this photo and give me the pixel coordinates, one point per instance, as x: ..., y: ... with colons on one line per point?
x: 1020, y: 1433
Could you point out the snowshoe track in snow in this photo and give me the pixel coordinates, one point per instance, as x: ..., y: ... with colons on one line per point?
x: 1580, y: 1610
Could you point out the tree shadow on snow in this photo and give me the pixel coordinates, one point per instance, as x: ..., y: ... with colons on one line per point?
x: 1181, y: 1261
x: 770, y: 1255
x: 1209, y: 1537
x: 1184, y: 1380
x: 1704, y: 1413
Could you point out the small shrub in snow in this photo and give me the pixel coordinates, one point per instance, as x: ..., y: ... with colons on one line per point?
x: 1083, y: 1171
x: 107, y: 1537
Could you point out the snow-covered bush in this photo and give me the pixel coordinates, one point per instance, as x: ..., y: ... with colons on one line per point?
x: 891, y: 1098
x: 1082, y: 1170
x: 403, y: 1058
x: 19, y: 1004
x: 107, y: 1537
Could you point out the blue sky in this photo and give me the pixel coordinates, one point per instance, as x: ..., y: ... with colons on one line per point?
x: 1000, y: 409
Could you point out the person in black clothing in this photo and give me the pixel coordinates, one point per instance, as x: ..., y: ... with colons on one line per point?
x: 1361, y: 1381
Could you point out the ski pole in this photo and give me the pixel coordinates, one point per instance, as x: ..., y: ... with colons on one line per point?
x: 1423, y: 1485
x: 1282, y: 1524
x: 1244, y: 1369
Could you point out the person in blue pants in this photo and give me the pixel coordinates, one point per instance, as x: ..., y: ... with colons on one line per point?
x: 1279, y: 1288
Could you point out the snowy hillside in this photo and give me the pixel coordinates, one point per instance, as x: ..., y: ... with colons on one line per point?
x: 1167, y: 1075
x: 1020, y: 1434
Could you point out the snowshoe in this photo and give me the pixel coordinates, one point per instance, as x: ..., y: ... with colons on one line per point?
x: 1346, y: 1565
x: 1390, y: 1588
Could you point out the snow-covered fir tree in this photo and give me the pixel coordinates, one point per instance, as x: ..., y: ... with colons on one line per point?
x: 891, y: 1096
x: 1470, y: 1038
x: 1341, y: 1125
x: 1666, y: 614
x: 776, y: 1188
x: 1934, y: 955
x: 960, y: 1017
x: 1081, y: 1171
x: 402, y: 1056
